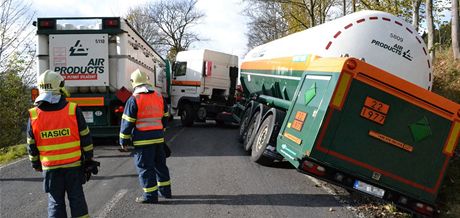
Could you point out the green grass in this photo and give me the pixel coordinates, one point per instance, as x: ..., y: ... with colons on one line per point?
x: 11, y: 153
x: 449, y: 198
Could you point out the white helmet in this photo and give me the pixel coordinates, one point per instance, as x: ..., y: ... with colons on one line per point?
x: 51, y: 82
x: 139, y: 78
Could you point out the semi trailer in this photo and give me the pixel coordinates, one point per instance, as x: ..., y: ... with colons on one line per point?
x: 349, y: 102
x: 96, y: 56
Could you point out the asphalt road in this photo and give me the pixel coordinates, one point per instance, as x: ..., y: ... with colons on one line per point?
x: 211, y: 175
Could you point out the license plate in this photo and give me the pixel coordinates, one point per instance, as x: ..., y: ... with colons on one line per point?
x: 369, y: 189
x: 89, y: 117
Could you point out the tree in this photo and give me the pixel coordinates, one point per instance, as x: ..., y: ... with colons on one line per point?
x: 266, y: 22
x: 455, y: 29
x: 13, y: 104
x: 430, y: 27
x: 171, y: 23
x: 16, y: 34
x: 415, y: 13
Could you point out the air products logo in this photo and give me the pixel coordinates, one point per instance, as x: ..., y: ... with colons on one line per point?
x: 78, y: 50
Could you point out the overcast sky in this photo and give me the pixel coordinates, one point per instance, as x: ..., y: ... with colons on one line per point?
x: 224, y: 25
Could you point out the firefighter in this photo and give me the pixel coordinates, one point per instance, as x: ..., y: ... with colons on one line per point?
x: 142, y: 124
x: 58, y: 141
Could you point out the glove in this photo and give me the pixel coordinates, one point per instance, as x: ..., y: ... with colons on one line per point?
x: 167, y: 150
x: 37, y: 167
x: 90, y: 167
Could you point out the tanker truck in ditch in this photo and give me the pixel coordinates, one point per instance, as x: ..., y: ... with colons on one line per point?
x: 96, y: 56
x: 349, y: 102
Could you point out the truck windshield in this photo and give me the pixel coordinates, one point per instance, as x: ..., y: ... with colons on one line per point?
x: 180, y: 68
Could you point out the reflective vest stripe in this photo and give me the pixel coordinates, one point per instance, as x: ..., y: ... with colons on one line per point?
x: 157, y: 123
x: 84, y: 216
x: 166, y: 183
x: 123, y: 136
x: 84, y: 132
x: 88, y: 147
x: 33, y: 113
x: 76, y: 164
x: 149, y: 142
x: 59, y: 157
x: 59, y: 146
x: 128, y: 118
x: 151, y: 189
x: 166, y: 114
x: 72, y: 108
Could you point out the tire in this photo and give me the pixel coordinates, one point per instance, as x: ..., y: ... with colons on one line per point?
x: 251, y: 131
x: 188, y: 115
x: 262, y: 138
x: 244, y: 124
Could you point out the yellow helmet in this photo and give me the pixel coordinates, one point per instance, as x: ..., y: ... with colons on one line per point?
x: 51, y: 82
x: 139, y: 78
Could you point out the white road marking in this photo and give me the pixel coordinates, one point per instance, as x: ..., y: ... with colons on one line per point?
x: 175, y: 136
x: 15, y: 162
x: 108, y: 207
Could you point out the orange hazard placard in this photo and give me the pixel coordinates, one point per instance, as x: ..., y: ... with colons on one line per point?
x: 373, y: 115
x: 376, y: 105
x: 391, y: 141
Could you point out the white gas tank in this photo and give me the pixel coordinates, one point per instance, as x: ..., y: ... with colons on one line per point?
x: 378, y: 38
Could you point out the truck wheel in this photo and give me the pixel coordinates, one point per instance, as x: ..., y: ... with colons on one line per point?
x: 187, y: 116
x: 250, y: 132
x: 244, y: 124
x: 261, y: 141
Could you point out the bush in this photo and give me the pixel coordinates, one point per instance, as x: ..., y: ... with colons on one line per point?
x: 12, y: 152
x: 14, y: 103
x: 446, y: 72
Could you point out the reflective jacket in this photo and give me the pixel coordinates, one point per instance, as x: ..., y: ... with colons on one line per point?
x: 149, y: 111
x: 56, y: 136
x: 144, y: 119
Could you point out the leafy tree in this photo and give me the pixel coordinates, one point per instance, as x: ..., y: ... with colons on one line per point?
x: 455, y: 30
x: 14, y: 103
x: 170, y: 24
x: 16, y: 34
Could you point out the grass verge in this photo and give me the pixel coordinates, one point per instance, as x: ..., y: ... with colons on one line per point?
x: 11, y: 153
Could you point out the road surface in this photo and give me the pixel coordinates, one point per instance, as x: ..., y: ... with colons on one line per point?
x: 211, y: 175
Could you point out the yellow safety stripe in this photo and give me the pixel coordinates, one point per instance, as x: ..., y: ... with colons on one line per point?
x: 33, y: 113
x: 88, y: 147
x: 59, y: 146
x: 166, y: 114
x: 123, y: 136
x: 166, y: 183
x: 60, y: 156
x: 127, y: 118
x: 84, y: 132
x: 33, y: 158
x: 148, y: 142
x: 30, y: 141
x: 75, y: 164
x: 151, y: 189
x: 84, y: 216
x: 72, y: 107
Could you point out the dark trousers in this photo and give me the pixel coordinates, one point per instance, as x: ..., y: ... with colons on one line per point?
x: 150, y: 161
x: 57, y: 183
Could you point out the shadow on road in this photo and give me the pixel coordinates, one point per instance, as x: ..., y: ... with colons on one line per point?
x: 94, y: 177
x: 294, y: 200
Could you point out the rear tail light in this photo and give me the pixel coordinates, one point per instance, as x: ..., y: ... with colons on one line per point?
x: 313, y: 168
x: 46, y: 24
x: 424, y: 209
x: 111, y: 23
x: 119, y: 109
